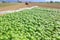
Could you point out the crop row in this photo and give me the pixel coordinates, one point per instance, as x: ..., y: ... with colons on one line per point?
x: 34, y: 24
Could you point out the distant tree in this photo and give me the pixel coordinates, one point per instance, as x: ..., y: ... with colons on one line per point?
x: 19, y: 1
x: 3, y: 1
x: 51, y: 1
x: 56, y: 2
x: 29, y: 1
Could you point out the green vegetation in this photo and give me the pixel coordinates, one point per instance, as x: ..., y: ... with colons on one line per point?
x: 34, y: 24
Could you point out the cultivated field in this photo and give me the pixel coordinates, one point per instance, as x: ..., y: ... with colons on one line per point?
x: 40, y: 23
x: 34, y: 24
x: 14, y: 6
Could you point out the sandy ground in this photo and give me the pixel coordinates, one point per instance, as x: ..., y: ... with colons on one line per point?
x: 15, y: 7
x: 55, y: 6
x: 22, y: 5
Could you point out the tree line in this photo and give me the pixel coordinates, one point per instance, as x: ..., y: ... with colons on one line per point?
x: 18, y: 1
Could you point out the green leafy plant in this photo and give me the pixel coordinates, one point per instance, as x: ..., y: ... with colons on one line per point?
x: 34, y: 24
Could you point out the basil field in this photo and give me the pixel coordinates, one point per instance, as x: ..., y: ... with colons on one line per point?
x: 33, y: 24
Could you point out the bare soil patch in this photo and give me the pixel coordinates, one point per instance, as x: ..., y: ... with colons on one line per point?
x: 22, y: 5
x: 49, y: 5
x: 14, y: 7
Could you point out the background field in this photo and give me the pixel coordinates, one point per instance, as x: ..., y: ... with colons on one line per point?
x: 14, y: 6
x: 7, y: 4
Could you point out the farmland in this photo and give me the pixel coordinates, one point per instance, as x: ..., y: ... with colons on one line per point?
x: 43, y: 24
x: 7, y: 4
x: 14, y: 6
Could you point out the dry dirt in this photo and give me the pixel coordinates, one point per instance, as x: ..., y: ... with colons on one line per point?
x: 49, y: 5
x: 22, y: 5
x: 14, y: 7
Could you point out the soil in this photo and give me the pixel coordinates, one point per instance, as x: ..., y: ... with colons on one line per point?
x: 49, y: 5
x: 22, y: 5
x: 14, y: 7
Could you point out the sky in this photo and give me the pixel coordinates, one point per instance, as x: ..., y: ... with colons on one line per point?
x: 32, y: 0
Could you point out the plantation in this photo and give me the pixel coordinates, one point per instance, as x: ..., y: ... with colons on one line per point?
x: 34, y: 24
